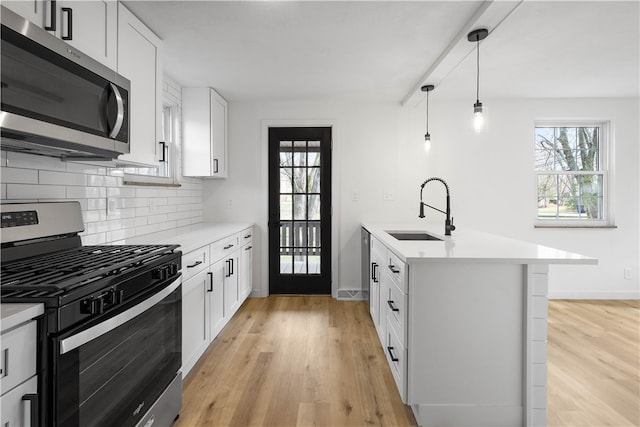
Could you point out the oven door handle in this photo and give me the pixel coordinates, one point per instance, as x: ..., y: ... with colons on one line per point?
x: 81, y: 338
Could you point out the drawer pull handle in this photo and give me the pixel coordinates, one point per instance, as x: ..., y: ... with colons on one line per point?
x: 228, y: 247
x: 33, y: 409
x: 195, y: 264
x: 374, y: 268
x: 394, y: 269
x: 248, y: 248
x: 392, y: 306
x: 210, y: 282
x: 247, y: 236
x: 393, y: 358
x: 5, y: 366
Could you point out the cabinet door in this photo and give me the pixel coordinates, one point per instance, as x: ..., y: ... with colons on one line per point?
x: 218, y: 135
x: 32, y: 10
x: 195, y: 340
x: 16, y: 411
x: 140, y: 61
x: 216, y: 300
x: 246, y: 272
x: 231, y: 290
x: 381, y: 326
x: 204, y: 130
x: 93, y: 28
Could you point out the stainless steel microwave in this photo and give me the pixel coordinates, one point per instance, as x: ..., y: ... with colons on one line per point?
x: 56, y: 101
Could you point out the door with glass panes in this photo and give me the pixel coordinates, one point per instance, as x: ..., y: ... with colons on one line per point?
x: 299, y: 210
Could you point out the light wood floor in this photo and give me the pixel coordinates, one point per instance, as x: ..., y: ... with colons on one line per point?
x: 594, y: 363
x: 314, y: 361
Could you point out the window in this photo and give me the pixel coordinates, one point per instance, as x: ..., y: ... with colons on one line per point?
x: 162, y: 174
x: 571, y: 172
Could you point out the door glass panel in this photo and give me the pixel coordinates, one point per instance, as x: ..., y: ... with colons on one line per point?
x: 299, y: 165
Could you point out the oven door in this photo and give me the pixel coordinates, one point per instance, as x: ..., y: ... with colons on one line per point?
x: 111, y: 373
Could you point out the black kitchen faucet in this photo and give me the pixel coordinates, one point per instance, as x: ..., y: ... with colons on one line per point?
x: 448, y: 223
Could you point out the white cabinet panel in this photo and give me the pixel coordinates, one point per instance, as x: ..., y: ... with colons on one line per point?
x: 216, y: 300
x: 18, y: 355
x: 194, y: 319
x: 204, y: 133
x: 32, y: 10
x: 15, y: 410
x: 140, y: 61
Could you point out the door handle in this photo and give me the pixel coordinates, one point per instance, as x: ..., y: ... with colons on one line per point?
x: 53, y: 25
x: 392, y: 306
x: 164, y: 149
x: 231, y: 266
x: 195, y: 264
x: 215, y: 165
x: 69, y: 13
x: 210, y: 274
x: 32, y: 399
x: 120, y: 115
x: 393, y: 358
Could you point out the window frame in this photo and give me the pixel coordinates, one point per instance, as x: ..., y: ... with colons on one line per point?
x: 605, y: 144
x: 169, y: 127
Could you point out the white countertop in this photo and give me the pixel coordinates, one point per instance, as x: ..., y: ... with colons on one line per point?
x: 469, y: 246
x: 14, y: 314
x: 191, y: 237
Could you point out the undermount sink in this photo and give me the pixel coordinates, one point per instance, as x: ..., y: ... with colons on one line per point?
x: 412, y: 235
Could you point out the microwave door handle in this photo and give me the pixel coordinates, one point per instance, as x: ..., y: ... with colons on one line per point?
x: 120, y: 116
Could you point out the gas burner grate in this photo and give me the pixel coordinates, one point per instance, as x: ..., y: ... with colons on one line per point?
x: 69, y: 269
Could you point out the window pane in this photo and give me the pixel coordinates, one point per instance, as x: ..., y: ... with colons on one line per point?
x: 300, y: 206
x: 285, y: 180
x: 300, y: 234
x: 314, y: 207
x: 286, y: 159
x: 299, y: 180
x: 570, y: 197
x: 300, y: 264
x: 286, y: 205
x: 299, y: 159
x: 313, y: 180
x: 286, y: 264
x: 313, y: 239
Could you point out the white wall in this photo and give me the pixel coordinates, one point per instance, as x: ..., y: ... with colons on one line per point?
x: 493, y: 185
x: 378, y: 148
x: 29, y: 178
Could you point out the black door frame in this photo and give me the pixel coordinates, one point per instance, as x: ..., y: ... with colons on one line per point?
x: 291, y: 283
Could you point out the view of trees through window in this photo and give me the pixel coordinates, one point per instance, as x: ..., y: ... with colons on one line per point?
x: 570, y: 179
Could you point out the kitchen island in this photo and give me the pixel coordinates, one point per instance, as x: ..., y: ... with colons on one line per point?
x: 463, y: 321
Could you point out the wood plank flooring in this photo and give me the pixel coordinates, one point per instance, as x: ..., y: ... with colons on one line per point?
x: 594, y: 363
x: 314, y: 361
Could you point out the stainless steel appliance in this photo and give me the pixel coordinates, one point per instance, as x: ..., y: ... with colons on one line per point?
x: 56, y: 101
x: 110, y: 341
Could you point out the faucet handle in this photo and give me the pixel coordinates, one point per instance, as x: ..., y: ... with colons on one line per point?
x: 453, y: 227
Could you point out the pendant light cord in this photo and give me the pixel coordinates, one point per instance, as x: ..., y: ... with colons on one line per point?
x: 478, y: 71
x: 427, y: 111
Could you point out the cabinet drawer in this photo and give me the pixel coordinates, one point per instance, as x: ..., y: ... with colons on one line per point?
x: 18, y: 355
x: 15, y: 410
x: 396, y: 305
x: 223, y: 247
x: 245, y: 237
x: 194, y: 262
x: 397, y: 271
x: 397, y: 358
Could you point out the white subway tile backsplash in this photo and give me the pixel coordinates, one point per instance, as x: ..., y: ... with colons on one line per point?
x: 86, y: 192
x: 18, y: 176
x: 85, y: 169
x: 61, y: 178
x: 3, y: 158
x: 95, y: 180
x: 29, y: 161
x: 35, y: 191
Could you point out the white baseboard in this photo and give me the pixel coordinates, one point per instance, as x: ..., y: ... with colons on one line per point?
x: 594, y: 294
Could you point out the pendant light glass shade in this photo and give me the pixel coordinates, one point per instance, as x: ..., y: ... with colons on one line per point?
x: 478, y: 114
x: 427, y: 135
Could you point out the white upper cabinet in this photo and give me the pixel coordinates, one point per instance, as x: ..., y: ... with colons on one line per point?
x: 89, y: 26
x: 204, y: 127
x: 140, y: 61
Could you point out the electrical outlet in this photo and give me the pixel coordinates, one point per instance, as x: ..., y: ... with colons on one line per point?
x: 153, y: 205
x: 627, y: 273
x: 387, y: 196
x: 355, y: 196
x: 229, y: 203
x: 112, y: 207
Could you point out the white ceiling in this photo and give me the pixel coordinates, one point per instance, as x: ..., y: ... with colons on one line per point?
x: 385, y: 50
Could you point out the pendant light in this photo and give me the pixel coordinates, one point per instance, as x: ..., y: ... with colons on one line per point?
x: 478, y: 114
x: 427, y: 135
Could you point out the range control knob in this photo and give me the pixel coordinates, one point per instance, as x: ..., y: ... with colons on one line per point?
x: 92, y: 305
x: 173, y: 269
x: 160, y: 273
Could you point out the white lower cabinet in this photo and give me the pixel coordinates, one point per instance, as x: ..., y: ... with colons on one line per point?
x: 216, y: 281
x: 18, y: 379
x: 195, y: 318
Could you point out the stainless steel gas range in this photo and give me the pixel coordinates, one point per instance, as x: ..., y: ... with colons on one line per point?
x: 109, y: 342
